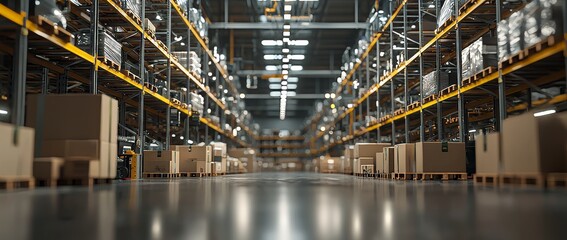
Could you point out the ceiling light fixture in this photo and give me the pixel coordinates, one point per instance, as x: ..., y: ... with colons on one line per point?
x: 271, y: 68
x: 287, y: 8
x: 286, y: 27
x: 285, y: 71
x: 287, y: 16
x: 296, y: 68
x: 285, y: 50
x: 543, y: 113
x: 286, y: 34
x: 293, y: 79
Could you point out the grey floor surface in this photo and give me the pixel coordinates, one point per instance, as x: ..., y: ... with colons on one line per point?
x: 283, y: 206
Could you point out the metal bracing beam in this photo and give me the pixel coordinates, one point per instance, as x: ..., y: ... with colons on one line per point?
x: 303, y: 73
x: 298, y: 96
x: 294, y: 25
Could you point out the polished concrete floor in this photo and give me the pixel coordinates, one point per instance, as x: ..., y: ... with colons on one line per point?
x: 283, y: 206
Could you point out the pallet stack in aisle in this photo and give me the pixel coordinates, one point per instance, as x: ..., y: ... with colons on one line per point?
x: 79, y: 130
x: 161, y: 164
x: 365, y: 158
x: 532, y: 152
x: 17, y: 148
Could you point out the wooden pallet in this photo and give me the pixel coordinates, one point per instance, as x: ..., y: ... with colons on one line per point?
x: 445, y: 25
x: 51, y: 28
x: 448, y: 90
x: 368, y: 175
x: 150, y: 86
x: 466, y: 6
x: 11, y: 183
x: 522, y: 180
x: 110, y: 63
x: 403, y: 176
x: 486, y: 179
x: 134, y: 17
x: 440, y: 176
x: 480, y: 75
x: 525, y: 53
x: 117, y: 2
x: 151, y: 34
x: 383, y: 175
x: 193, y: 174
x: 131, y: 75
x: 160, y: 175
x: 184, y: 106
x: 399, y: 112
x: 73, y: 182
x: 557, y: 180
x: 414, y: 105
x: 175, y: 101
x: 385, y: 118
x: 162, y: 45
x: 429, y: 98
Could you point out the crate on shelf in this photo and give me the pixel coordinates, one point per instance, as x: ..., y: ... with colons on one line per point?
x: 482, y: 74
x: 448, y: 90
x: 51, y: 28
x: 399, y: 112
x: 414, y: 105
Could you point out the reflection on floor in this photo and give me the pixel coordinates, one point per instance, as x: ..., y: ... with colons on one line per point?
x: 283, y: 206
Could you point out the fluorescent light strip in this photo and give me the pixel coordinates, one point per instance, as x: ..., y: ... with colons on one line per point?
x: 280, y: 42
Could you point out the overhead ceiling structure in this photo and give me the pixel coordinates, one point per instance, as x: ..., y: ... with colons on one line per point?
x: 286, y: 54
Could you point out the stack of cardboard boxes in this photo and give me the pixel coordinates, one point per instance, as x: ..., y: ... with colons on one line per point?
x: 166, y: 161
x: 247, y: 156
x: 348, y: 159
x: 529, y: 146
x: 194, y: 159
x: 440, y: 157
x: 77, y: 132
x: 365, y: 157
x: 219, y: 158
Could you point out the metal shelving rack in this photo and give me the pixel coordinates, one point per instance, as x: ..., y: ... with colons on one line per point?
x: 293, y: 145
x: 70, y: 63
x: 452, y: 114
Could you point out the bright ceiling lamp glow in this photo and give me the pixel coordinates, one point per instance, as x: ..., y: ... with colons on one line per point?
x: 286, y: 27
x: 299, y: 43
x: 290, y: 87
x: 293, y: 79
x: 284, y: 83
x: 286, y: 34
x: 543, y: 113
x: 285, y: 77
x: 286, y: 39
x: 271, y: 68
x: 285, y: 72
x: 285, y: 50
x: 285, y: 66
x: 296, y: 68
x: 285, y: 60
x: 274, y: 80
x: 287, y: 16
x: 287, y: 8
x: 3, y: 112
x: 272, y: 42
x: 272, y: 57
x: 297, y: 57
x: 275, y: 94
x: 284, y: 87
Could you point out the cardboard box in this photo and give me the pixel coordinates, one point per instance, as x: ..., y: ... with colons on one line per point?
x: 380, y: 162
x: 349, y: 152
x: 73, y: 116
x: 161, y: 156
x: 104, y: 152
x: 388, y: 160
x: 534, y: 144
x: 368, y: 149
x: 438, y: 157
x: 47, y: 168
x: 159, y: 166
x: 16, y: 158
x: 188, y: 156
x: 362, y: 161
x: 246, y: 155
x: 487, y: 147
x: 404, y: 158
x: 80, y: 168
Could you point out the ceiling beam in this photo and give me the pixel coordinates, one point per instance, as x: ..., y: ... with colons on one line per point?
x: 294, y: 26
x: 302, y: 73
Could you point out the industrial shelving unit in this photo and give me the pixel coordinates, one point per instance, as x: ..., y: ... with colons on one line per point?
x: 274, y: 146
x: 44, y: 55
x: 481, y: 102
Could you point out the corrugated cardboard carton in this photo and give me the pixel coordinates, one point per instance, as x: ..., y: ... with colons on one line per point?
x: 438, y: 157
x: 388, y: 160
x: 73, y: 116
x: 167, y: 155
x: 47, y: 168
x: 90, y: 149
x: 380, y: 162
x: 16, y: 153
x: 534, y: 144
x: 362, y: 161
x: 157, y: 166
x: 487, y: 147
x: 405, y: 157
x: 368, y: 149
x: 189, y: 156
x: 80, y: 168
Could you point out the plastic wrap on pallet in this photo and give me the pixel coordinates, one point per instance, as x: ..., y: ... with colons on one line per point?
x: 149, y: 26
x: 446, y: 12
x: 552, y: 17
x: 110, y: 48
x: 133, y: 6
x: 49, y: 10
x: 194, y: 15
x: 131, y: 67
x: 482, y: 54
x: 515, y: 30
x: 430, y: 83
x: 183, y: 4
x: 532, y: 15
x: 503, y: 40
x: 466, y: 62
x: 541, y: 19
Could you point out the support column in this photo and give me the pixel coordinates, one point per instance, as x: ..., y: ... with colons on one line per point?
x: 440, y: 132
x: 168, y: 114
x: 94, y: 46
x: 422, y: 123
x: 406, y: 90
x: 378, y: 104
x: 501, y: 83
x: 45, y: 81
x: 141, y: 136
x: 392, y: 82
x: 461, y: 107
x: 19, y: 70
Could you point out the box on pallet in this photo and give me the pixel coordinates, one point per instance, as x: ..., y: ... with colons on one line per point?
x: 487, y: 147
x: 82, y: 168
x: 388, y: 160
x: 191, y: 157
x: 404, y: 158
x: 379, y: 162
x: 247, y: 156
x: 534, y: 144
x: 440, y: 157
x: 359, y: 162
x: 16, y: 147
x: 47, y: 168
x: 161, y: 161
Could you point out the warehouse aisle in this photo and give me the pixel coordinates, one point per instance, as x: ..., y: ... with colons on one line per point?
x: 282, y: 206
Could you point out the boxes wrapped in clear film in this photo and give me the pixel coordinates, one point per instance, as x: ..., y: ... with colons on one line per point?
x: 478, y: 56
x: 108, y: 47
x: 49, y: 10
x: 430, y: 83
x: 132, y: 6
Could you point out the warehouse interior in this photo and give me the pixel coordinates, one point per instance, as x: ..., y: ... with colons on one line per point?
x: 283, y: 119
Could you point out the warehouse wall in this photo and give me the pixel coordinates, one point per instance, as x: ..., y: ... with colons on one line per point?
x: 275, y: 123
